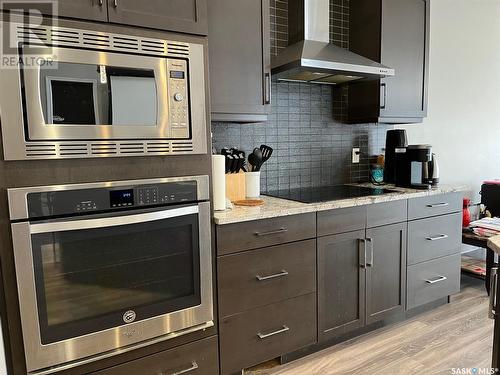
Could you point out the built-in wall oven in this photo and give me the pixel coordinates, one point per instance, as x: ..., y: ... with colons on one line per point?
x: 107, y: 267
x: 77, y: 93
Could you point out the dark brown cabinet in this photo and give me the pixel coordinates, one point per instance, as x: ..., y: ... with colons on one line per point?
x: 95, y: 10
x: 385, y: 272
x: 341, y: 284
x: 394, y: 33
x: 185, y: 16
x: 240, y: 60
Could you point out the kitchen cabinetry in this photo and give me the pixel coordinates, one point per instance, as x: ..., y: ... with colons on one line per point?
x: 240, y: 60
x: 394, y: 33
x: 385, y: 272
x: 199, y: 357
x: 341, y: 284
x: 185, y: 16
x: 267, y: 289
x: 361, y: 274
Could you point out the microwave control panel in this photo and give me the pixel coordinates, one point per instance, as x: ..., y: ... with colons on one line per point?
x: 178, y: 98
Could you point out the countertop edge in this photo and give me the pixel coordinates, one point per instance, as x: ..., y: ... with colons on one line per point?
x: 245, y: 214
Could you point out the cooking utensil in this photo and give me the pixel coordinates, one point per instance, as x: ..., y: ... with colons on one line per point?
x: 266, y: 152
x: 258, y: 159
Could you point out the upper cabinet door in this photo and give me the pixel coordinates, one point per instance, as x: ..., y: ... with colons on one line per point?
x: 394, y: 33
x: 185, y: 16
x: 240, y: 57
x: 385, y: 272
x: 92, y: 10
x: 404, y: 48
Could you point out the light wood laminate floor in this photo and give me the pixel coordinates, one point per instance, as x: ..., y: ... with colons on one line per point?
x: 457, y: 335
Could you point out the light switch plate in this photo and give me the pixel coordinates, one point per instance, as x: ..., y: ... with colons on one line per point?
x: 355, y: 155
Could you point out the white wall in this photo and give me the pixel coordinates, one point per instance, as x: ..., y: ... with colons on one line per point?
x: 463, y: 123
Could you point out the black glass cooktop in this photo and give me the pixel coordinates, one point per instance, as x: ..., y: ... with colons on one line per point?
x: 328, y: 193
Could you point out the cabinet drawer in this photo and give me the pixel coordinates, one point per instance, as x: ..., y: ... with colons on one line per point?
x: 434, y: 237
x: 386, y: 213
x: 341, y: 220
x: 267, y: 332
x: 260, y: 277
x: 419, y: 208
x: 432, y: 280
x: 197, y: 358
x: 232, y: 238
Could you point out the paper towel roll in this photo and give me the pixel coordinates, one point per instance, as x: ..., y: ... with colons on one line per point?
x: 219, y: 181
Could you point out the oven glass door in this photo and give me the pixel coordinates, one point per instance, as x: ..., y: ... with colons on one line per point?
x: 95, y: 274
x: 85, y: 94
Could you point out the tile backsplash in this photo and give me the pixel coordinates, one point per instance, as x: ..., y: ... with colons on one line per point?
x: 312, y: 146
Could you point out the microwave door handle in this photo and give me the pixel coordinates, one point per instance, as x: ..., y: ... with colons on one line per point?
x: 63, y: 226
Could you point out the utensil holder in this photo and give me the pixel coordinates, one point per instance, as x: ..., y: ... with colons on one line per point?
x: 252, y: 184
x: 235, y: 186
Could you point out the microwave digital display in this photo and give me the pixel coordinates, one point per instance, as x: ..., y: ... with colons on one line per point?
x: 121, y: 198
x: 177, y: 74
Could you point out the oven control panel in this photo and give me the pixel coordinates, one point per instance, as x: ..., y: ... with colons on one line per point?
x: 86, y: 201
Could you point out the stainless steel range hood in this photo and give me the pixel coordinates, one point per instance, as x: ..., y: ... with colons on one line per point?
x: 310, y: 57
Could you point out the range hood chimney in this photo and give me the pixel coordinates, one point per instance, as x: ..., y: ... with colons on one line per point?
x: 310, y: 57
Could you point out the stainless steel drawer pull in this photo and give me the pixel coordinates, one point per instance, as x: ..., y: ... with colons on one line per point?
x: 436, y: 238
x: 194, y: 366
x: 263, y: 336
x: 492, y: 310
x: 276, y: 275
x: 435, y: 205
x: 115, y: 3
x: 436, y: 280
x: 278, y: 231
x: 369, y: 263
x: 101, y: 2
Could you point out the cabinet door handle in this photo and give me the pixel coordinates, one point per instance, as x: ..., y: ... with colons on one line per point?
x: 492, y: 310
x: 101, y: 2
x: 194, y: 366
x: 115, y: 3
x: 283, y: 273
x: 437, y: 238
x: 436, y: 205
x: 267, y: 88
x: 436, y: 280
x: 362, y: 252
x: 278, y: 231
x: 263, y: 336
x: 383, y: 95
x: 371, y: 261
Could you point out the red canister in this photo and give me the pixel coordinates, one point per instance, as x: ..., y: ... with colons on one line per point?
x: 466, y: 213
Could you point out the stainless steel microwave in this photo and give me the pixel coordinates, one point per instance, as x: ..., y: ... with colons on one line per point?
x: 78, y: 93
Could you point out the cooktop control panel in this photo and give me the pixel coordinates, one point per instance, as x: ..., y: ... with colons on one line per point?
x: 64, y: 202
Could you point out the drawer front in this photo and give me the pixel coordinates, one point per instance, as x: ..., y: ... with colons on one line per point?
x: 232, y: 238
x: 419, y: 208
x: 261, y: 277
x: 434, y: 237
x: 341, y: 220
x: 265, y: 333
x: 197, y: 358
x: 432, y: 280
x: 386, y: 213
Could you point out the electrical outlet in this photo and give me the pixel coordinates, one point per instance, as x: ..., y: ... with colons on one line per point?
x: 355, y: 155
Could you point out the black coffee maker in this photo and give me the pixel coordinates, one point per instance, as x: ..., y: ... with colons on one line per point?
x: 416, y: 167
x: 395, y: 139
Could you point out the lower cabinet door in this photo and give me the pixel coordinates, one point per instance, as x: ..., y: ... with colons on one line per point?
x: 264, y: 333
x: 341, y: 284
x: 197, y: 358
x: 385, y: 272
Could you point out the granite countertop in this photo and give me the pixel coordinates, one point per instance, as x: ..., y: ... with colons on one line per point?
x: 276, y: 207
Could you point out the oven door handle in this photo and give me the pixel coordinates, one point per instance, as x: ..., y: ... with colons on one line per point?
x: 64, y: 226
